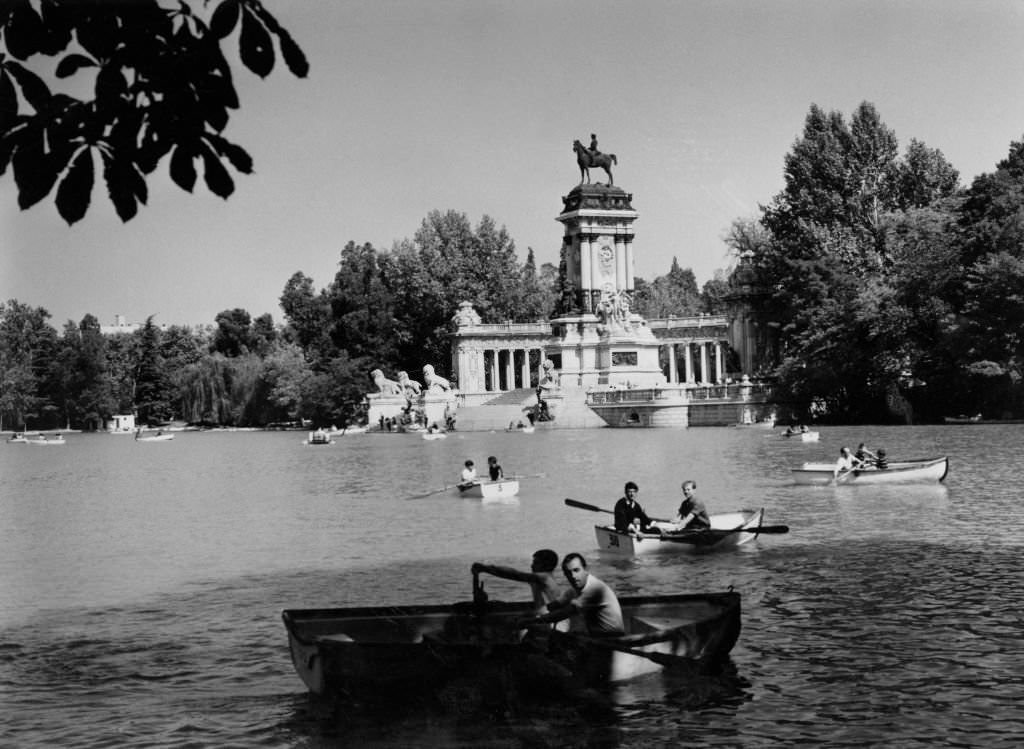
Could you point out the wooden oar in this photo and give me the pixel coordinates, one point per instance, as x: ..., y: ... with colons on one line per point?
x: 595, y: 508
x: 843, y: 475
x: 436, y: 491
x: 663, y: 659
x: 527, y: 476
x: 685, y: 536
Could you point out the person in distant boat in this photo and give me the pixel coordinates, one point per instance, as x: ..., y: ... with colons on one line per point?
x: 881, y: 462
x: 494, y: 469
x: 541, y: 578
x: 469, y: 473
x: 864, y: 457
x: 590, y: 598
x: 844, y: 463
x: 629, y: 515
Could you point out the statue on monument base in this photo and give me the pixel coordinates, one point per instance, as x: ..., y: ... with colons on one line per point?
x: 613, y: 309
x: 585, y: 159
x: 547, y: 385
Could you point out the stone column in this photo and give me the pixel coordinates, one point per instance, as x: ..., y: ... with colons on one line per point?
x: 495, y: 383
x: 629, y: 261
x: 524, y: 368
x: 688, y: 363
x: 585, y: 270
x: 673, y: 369
x: 719, y: 364
x: 510, y: 372
x: 621, y: 269
x: 704, y: 361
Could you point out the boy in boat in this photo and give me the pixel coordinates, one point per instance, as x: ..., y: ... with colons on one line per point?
x: 881, y: 463
x: 629, y: 515
x: 541, y: 577
x: 863, y: 456
x: 691, y: 515
x: 494, y: 469
x: 469, y: 473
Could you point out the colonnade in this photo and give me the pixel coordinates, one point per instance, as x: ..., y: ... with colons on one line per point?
x: 705, y: 351
x: 498, y: 369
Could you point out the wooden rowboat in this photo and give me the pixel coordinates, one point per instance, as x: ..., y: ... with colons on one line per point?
x: 489, y: 489
x: 46, y: 441
x: 907, y: 471
x: 382, y: 652
x: 728, y: 530
x: 155, y: 438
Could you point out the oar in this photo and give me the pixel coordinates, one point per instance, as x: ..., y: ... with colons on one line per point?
x: 843, y: 475
x: 595, y: 508
x: 526, y: 476
x: 436, y: 491
x: 685, y: 536
x: 664, y: 659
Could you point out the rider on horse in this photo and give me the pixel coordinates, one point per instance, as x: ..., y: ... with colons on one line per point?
x: 593, y: 145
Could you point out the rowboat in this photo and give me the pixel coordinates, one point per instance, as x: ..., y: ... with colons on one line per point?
x: 155, y: 438
x: 45, y: 441
x: 319, y: 437
x: 17, y: 438
x: 385, y: 651
x: 728, y: 530
x: 434, y: 435
x: 905, y: 471
x: 482, y: 489
x: 809, y: 436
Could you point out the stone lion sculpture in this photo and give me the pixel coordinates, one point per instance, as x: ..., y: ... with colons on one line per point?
x: 410, y: 386
x: 435, y: 383
x: 384, y: 385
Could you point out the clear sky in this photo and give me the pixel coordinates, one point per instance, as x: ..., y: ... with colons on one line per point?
x: 472, y: 105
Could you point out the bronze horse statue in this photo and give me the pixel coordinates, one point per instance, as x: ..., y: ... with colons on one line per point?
x: 586, y: 159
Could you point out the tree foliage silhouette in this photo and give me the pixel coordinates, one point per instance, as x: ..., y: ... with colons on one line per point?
x: 161, y: 88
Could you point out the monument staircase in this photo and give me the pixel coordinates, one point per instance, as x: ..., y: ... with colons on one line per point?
x: 512, y: 406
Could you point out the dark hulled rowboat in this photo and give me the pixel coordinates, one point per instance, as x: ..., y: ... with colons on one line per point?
x: 385, y: 651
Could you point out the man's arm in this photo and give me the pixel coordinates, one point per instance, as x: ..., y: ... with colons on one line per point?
x: 507, y: 573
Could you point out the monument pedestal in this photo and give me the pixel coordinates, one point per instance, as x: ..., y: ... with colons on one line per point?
x: 436, y: 407
x: 384, y: 407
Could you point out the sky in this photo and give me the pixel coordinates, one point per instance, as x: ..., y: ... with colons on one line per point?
x: 472, y: 105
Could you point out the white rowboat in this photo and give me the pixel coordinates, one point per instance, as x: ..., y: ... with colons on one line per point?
x: 898, y: 472
x: 489, y: 489
x: 728, y: 530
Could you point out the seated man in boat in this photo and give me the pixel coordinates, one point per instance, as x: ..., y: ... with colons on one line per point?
x: 629, y: 515
x: 494, y: 469
x: 469, y: 473
x: 590, y: 598
x: 691, y: 515
x: 881, y: 462
x: 541, y: 578
x: 844, y: 463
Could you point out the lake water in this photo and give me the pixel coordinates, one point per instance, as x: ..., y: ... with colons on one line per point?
x: 141, y: 585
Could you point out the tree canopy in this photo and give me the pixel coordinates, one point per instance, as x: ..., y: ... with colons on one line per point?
x: 156, y: 87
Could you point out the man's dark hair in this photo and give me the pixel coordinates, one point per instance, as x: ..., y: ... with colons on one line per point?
x: 631, y: 485
x: 574, y: 555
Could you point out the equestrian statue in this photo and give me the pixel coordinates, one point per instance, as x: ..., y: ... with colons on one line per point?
x: 591, y: 157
